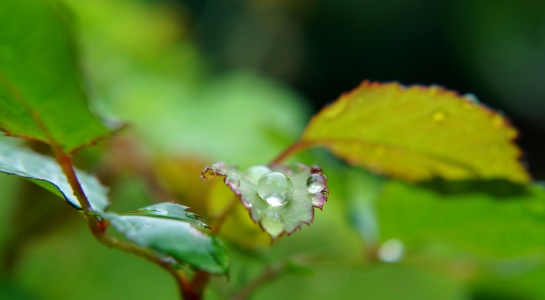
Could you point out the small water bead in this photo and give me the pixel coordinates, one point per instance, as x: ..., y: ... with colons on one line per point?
x: 275, y: 188
x: 233, y: 179
x: 254, y: 173
x: 208, y: 174
x: 316, y: 183
x: 216, y: 168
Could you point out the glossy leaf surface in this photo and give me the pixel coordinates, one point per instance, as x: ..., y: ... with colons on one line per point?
x: 417, y: 133
x: 183, y: 241
x: 41, y: 92
x: 44, y: 171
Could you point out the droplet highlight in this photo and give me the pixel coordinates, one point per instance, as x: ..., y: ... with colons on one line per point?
x: 316, y: 183
x: 275, y: 188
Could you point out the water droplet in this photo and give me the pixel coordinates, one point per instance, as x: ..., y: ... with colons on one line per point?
x: 208, y: 174
x: 233, y: 179
x: 318, y: 200
x: 272, y: 223
x: 275, y: 188
x: 438, y: 116
x: 314, y: 169
x: 254, y: 173
x: 391, y: 251
x: 315, y: 183
x: 471, y: 97
x: 216, y: 168
x: 434, y: 89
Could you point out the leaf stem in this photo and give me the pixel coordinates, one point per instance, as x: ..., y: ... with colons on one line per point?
x: 268, y: 275
x: 223, y: 216
x: 98, y: 226
x: 294, y: 148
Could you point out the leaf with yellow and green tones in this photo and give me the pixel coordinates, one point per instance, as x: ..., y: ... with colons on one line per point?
x: 41, y: 92
x: 417, y: 133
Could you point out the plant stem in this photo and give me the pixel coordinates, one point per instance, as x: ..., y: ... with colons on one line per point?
x: 98, y: 226
x: 294, y: 148
x: 269, y: 274
x: 224, y: 214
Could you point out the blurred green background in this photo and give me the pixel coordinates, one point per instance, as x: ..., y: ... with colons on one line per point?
x: 236, y: 81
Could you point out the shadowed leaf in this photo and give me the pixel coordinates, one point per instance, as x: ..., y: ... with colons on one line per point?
x: 418, y: 133
x: 41, y: 93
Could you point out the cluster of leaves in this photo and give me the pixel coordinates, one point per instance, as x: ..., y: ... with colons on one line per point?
x: 451, y: 160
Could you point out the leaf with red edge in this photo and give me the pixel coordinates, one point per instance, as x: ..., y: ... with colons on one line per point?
x: 278, y: 197
x: 417, y: 133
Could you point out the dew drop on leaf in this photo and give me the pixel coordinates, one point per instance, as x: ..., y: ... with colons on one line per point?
x: 275, y: 188
x: 272, y: 223
x: 254, y: 173
x: 208, y: 174
x: 233, y: 180
x: 391, y: 251
x: 438, y: 116
x: 316, y: 183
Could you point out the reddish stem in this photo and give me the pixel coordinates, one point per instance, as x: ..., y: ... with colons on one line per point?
x: 291, y: 150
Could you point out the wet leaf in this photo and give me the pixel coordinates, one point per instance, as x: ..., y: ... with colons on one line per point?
x: 475, y: 220
x: 181, y: 240
x: 170, y: 211
x: 44, y: 171
x: 278, y: 197
x: 41, y: 93
x: 417, y: 133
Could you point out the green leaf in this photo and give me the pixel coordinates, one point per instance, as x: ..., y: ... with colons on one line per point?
x: 183, y: 241
x: 41, y: 93
x: 170, y: 211
x: 417, y: 133
x: 278, y: 205
x: 44, y: 171
x: 495, y: 218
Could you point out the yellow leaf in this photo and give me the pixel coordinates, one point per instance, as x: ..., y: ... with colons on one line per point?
x: 417, y: 133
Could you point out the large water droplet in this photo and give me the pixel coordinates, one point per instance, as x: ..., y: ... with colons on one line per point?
x: 275, y: 188
x: 316, y: 183
x: 254, y: 173
x: 272, y: 223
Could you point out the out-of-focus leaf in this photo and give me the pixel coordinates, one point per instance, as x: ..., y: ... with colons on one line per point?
x: 237, y: 227
x: 280, y: 198
x: 474, y: 220
x: 44, y: 171
x: 417, y: 133
x: 183, y: 241
x: 41, y: 93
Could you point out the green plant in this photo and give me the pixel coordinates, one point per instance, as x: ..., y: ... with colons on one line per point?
x: 441, y: 169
